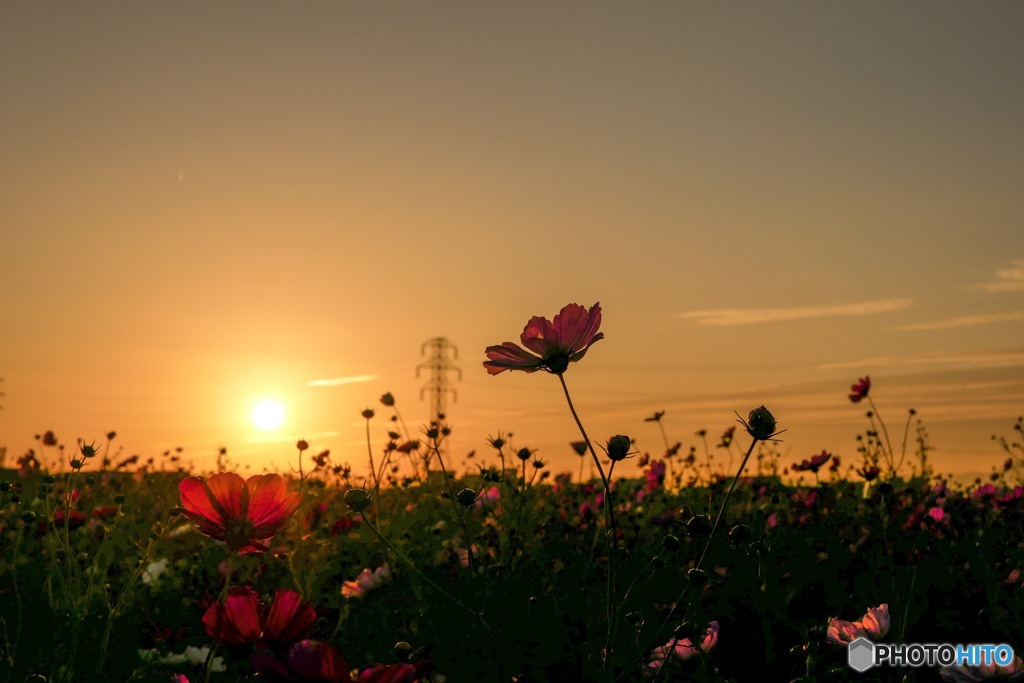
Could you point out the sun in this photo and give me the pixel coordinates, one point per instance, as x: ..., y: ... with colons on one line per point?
x: 268, y: 414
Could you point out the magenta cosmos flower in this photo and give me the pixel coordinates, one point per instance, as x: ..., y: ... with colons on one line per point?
x: 240, y: 512
x: 550, y: 344
x: 814, y: 463
x: 859, y: 390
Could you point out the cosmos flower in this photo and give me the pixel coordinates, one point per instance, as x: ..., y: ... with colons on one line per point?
x: 1014, y: 671
x: 240, y: 512
x: 874, y: 625
x: 308, y: 661
x: 365, y: 582
x: 814, y: 464
x: 683, y: 648
x: 242, y: 619
x: 550, y: 344
x: 859, y: 390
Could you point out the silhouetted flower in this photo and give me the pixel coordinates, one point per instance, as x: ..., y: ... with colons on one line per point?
x: 239, y: 512
x: 814, y: 464
x: 550, y: 344
x: 869, y: 473
x: 860, y: 389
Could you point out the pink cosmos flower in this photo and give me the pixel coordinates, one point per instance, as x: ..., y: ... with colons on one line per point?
x: 937, y: 514
x: 240, y: 512
x: 1013, y: 671
x: 683, y: 648
x: 859, y: 390
x: 550, y: 344
x: 365, y: 582
x: 874, y: 624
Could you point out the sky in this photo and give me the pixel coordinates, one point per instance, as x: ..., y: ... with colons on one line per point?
x: 204, y: 205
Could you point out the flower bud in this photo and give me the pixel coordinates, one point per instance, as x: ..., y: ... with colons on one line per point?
x: 761, y: 424
x: 699, y: 525
x: 618, y: 447
x: 670, y: 543
x: 466, y: 497
x: 738, y: 534
x: 524, y: 454
x: 28, y: 516
x: 403, y: 650
x: 357, y: 499
x: 76, y: 464
x: 387, y: 400
x: 302, y: 445
x: 698, y: 577
x: 367, y: 413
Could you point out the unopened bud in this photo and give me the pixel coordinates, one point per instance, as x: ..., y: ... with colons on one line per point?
x: 761, y: 424
x: 466, y: 497
x: 618, y: 447
x: 357, y: 499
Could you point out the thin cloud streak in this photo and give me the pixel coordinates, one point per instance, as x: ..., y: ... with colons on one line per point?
x: 987, y: 358
x: 336, y: 381
x: 966, y: 320
x: 753, y: 316
x: 1007, y: 280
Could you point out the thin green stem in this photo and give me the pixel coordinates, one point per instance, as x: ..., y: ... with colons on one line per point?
x: 430, y: 582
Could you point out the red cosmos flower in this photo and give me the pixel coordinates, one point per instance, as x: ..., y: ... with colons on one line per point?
x: 814, y: 464
x: 309, y: 661
x: 243, y: 620
x: 553, y: 343
x: 239, y: 512
x: 402, y: 672
x: 859, y: 390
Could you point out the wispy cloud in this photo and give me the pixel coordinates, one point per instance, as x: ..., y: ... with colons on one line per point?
x: 335, y: 381
x: 966, y: 321
x: 754, y: 316
x: 990, y: 358
x: 1009, y: 279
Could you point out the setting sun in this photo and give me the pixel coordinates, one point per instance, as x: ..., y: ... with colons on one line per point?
x: 268, y: 414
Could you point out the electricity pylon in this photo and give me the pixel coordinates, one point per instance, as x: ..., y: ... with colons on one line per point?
x: 439, y: 367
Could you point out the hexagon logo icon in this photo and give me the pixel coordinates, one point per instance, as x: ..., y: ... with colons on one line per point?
x: 861, y: 655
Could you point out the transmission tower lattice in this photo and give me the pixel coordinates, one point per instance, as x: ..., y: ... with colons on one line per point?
x: 439, y: 366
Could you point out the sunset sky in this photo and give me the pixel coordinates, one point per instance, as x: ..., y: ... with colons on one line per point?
x: 207, y: 204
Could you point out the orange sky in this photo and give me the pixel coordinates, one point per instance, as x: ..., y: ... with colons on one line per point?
x: 205, y: 205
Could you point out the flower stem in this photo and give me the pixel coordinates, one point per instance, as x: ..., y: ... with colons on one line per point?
x: 476, y: 615
x: 609, y: 530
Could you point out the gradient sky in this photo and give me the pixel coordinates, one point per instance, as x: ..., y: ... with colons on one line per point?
x: 203, y: 204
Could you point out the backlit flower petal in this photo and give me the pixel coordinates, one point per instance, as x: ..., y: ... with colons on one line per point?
x: 540, y: 336
x: 289, y: 618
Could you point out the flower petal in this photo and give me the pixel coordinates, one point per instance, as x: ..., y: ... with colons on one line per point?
x: 540, y: 336
x: 229, y: 491
x: 576, y: 327
x: 289, y: 618
x: 195, y: 499
x: 510, y: 356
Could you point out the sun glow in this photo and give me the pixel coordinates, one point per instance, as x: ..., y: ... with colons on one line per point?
x: 268, y: 414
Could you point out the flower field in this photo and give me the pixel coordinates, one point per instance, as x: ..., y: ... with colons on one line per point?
x: 140, y: 572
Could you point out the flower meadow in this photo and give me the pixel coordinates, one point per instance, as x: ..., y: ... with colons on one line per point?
x: 719, y: 563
